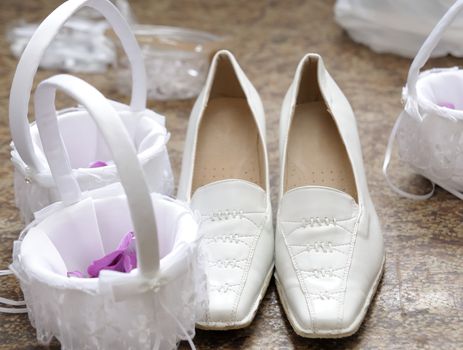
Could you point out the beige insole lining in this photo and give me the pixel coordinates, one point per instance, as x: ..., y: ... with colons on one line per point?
x: 228, y: 144
x: 316, y: 155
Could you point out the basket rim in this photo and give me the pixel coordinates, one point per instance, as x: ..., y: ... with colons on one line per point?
x: 172, y: 265
x: 45, y: 178
x: 427, y: 105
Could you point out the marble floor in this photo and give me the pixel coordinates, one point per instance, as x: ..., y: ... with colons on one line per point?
x: 419, y: 304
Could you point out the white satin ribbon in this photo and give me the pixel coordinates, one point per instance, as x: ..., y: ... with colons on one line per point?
x: 120, y: 285
x: 387, y: 160
x: 9, y: 302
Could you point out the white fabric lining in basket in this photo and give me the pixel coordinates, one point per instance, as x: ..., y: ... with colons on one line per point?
x: 34, y: 186
x: 429, y: 130
x: 152, y: 307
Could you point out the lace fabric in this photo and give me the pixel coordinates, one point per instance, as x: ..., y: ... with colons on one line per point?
x: 434, y: 148
x: 430, y: 136
x: 156, y: 320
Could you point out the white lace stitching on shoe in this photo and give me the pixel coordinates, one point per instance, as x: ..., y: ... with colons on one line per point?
x: 317, y: 221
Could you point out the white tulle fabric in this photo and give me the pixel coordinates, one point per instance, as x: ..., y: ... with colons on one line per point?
x: 34, y: 190
x: 109, y: 312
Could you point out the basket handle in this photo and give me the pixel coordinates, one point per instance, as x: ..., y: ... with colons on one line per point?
x: 429, y: 45
x: 30, y: 59
x: 123, y: 152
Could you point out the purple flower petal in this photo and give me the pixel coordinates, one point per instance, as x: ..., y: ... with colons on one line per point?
x: 126, y: 241
x: 133, y: 258
x: 127, y: 263
x: 449, y: 105
x: 97, y: 164
x: 75, y: 274
x: 108, y: 260
x: 123, y: 259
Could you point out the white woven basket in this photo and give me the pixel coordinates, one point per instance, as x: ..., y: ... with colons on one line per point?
x: 429, y: 130
x: 34, y: 185
x: 153, y: 306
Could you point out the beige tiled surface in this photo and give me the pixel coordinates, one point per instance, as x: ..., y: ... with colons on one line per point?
x: 419, y: 304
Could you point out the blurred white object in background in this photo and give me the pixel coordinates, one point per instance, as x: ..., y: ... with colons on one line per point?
x: 122, y: 5
x: 81, y: 46
x: 176, y: 59
x: 398, y: 26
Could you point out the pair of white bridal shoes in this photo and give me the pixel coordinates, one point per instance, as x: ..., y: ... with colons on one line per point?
x: 327, y: 248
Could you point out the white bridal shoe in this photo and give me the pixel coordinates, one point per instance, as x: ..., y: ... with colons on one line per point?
x: 329, y: 251
x: 225, y: 178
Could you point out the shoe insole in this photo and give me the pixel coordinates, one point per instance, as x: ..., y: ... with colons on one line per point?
x: 316, y: 155
x: 228, y: 144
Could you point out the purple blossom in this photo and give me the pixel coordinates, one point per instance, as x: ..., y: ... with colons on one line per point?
x: 449, y: 105
x: 123, y: 259
x: 97, y: 164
